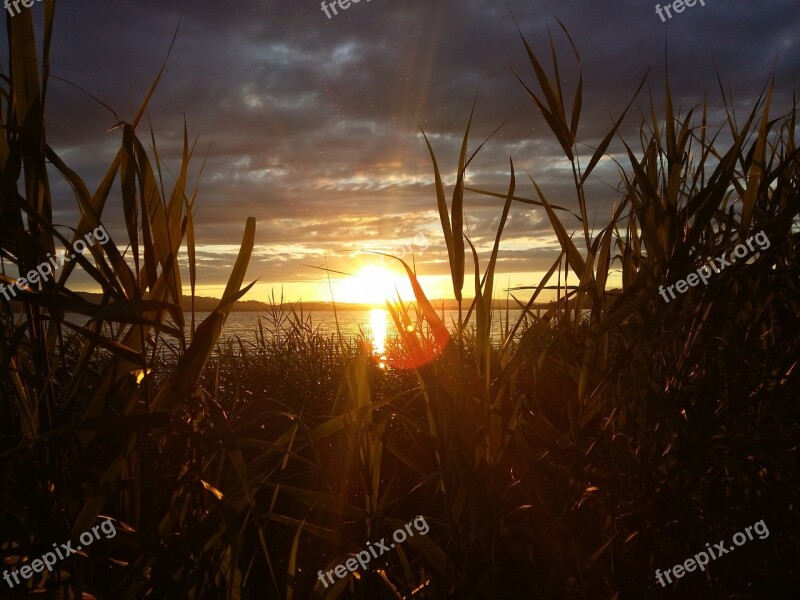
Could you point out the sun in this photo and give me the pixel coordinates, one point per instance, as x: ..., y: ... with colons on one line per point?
x: 373, y: 285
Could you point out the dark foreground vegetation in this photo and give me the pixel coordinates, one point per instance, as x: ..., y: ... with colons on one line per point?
x: 570, y: 461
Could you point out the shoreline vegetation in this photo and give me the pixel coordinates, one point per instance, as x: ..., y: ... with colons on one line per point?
x: 208, y: 304
x: 611, y: 436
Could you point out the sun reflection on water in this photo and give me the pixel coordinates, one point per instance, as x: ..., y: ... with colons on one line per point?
x: 378, y: 332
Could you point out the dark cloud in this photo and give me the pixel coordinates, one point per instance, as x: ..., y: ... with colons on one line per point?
x: 311, y: 123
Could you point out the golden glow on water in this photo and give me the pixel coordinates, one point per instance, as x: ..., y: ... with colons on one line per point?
x: 378, y: 331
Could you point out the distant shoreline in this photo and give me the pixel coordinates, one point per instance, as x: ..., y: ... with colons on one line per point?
x: 208, y: 304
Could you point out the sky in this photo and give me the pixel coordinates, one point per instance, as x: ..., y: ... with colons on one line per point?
x: 311, y: 124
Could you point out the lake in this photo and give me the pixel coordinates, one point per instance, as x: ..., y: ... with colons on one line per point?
x: 377, y: 323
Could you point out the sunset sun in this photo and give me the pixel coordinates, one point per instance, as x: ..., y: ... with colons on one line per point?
x: 373, y: 285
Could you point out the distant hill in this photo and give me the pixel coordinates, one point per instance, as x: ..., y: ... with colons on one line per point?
x: 201, y: 303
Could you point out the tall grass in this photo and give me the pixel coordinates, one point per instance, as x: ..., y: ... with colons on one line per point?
x: 82, y: 431
x: 569, y: 461
x: 577, y: 469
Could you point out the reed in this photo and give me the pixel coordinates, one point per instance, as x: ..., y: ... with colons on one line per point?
x: 611, y: 435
